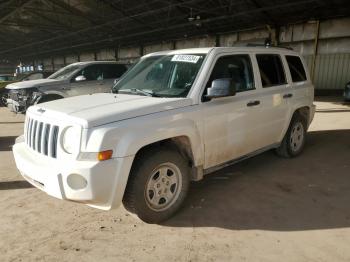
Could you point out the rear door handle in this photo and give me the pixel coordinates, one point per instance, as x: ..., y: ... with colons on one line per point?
x: 254, y: 103
x: 287, y: 95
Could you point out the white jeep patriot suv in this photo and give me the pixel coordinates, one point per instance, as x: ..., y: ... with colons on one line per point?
x: 172, y: 118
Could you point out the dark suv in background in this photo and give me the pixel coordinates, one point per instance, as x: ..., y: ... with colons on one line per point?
x: 76, y: 79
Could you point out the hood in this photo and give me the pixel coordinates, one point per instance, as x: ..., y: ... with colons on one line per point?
x: 99, y: 109
x: 34, y: 83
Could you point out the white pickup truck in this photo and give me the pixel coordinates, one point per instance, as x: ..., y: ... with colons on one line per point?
x: 172, y: 118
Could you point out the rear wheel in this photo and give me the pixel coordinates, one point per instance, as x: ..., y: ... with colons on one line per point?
x: 294, y: 141
x: 158, y: 185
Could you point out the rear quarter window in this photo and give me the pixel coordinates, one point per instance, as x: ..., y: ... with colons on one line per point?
x: 296, y: 68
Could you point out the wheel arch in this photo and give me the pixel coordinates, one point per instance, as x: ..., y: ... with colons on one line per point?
x: 303, y: 111
x: 181, y: 144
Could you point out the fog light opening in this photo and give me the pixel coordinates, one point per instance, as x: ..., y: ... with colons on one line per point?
x: 76, y: 181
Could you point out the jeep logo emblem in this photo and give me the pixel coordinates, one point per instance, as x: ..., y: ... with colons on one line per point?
x: 40, y: 110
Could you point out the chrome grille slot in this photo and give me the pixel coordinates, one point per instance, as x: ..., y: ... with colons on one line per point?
x: 35, y: 133
x: 42, y: 137
x: 46, y: 139
x: 54, y: 141
x: 39, y: 133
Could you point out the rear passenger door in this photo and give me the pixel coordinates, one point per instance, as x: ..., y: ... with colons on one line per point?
x: 274, y: 94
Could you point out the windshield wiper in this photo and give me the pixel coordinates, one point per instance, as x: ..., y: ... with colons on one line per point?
x: 137, y: 91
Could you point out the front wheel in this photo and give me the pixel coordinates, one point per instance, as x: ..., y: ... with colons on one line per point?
x: 294, y: 141
x: 158, y: 185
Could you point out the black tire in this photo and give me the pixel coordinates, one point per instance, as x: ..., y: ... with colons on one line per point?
x: 289, y: 148
x: 137, y: 199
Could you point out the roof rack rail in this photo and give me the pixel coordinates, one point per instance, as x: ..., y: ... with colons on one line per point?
x: 268, y: 46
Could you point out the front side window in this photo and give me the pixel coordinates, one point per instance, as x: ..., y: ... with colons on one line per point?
x: 92, y: 72
x: 271, y: 70
x: 236, y: 67
x: 296, y: 68
x: 161, y: 76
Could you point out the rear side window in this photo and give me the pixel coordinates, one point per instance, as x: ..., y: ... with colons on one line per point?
x: 296, y: 68
x: 271, y: 70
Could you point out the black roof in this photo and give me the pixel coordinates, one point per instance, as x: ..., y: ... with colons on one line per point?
x: 34, y: 28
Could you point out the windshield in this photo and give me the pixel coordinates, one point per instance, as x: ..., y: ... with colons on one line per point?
x: 64, y: 72
x: 161, y: 76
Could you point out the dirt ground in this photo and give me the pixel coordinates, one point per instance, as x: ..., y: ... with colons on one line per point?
x: 263, y: 209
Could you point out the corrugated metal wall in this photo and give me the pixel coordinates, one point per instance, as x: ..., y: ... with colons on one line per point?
x: 332, y: 71
x: 332, y: 60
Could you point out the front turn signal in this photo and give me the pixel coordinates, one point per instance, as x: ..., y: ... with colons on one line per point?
x: 104, y: 155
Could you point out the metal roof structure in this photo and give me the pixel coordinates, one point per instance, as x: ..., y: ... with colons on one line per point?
x: 33, y: 28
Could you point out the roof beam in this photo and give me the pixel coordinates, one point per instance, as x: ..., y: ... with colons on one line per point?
x: 63, y: 5
x: 177, y: 26
x: 124, y: 13
x: 268, y: 18
x: 17, y: 9
x: 160, y: 29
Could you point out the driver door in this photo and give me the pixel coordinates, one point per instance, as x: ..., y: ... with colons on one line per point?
x: 229, y: 121
x: 91, y: 83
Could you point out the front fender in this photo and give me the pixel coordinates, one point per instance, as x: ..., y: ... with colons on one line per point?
x: 127, y: 139
x: 134, y: 141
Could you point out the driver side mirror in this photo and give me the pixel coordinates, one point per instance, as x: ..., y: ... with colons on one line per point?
x: 115, y: 81
x: 221, y: 88
x: 80, y: 78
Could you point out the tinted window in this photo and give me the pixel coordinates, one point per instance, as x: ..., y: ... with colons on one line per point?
x: 236, y: 67
x: 113, y: 71
x: 271, y: 70
x: 92, y: 72
x: 296, y: 68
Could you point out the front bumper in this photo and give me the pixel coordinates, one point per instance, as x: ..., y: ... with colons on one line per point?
x: 18, y: 101
x: 15, y: 106
x: 105, y: 181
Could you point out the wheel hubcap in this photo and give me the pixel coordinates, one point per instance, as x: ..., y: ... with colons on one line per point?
x: 163, y: 187
x: 297, y: 136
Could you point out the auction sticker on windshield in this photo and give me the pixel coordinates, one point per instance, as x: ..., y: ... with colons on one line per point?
x: 186, y: 58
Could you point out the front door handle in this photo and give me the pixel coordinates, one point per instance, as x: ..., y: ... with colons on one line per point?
x: 254, y: 103
x: 287, y: 95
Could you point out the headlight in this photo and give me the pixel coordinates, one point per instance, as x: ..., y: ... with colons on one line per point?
x: 71, y: 139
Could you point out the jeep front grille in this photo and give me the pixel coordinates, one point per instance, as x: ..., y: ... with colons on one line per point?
x: 42, y: 137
